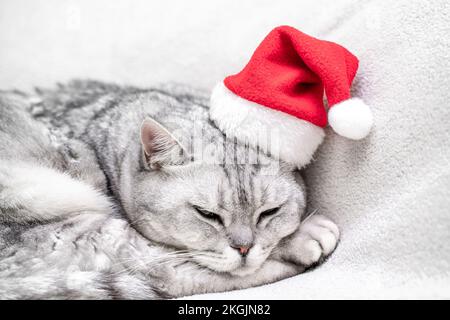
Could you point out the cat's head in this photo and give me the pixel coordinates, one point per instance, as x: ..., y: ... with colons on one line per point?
x: 227, y: 206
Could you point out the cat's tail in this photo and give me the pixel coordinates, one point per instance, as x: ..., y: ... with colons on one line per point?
x: 32, y: 192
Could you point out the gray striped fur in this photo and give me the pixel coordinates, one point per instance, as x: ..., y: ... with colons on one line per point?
x: 84, y: 216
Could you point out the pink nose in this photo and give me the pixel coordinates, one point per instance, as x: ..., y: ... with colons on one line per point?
x: 243, y: 250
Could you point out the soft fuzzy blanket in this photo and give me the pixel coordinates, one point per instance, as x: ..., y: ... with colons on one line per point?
x: 390, y: 193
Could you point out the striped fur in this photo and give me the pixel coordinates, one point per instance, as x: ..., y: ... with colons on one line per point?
x: 84, y: 215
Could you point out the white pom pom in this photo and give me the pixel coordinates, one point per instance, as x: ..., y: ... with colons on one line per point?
x: 351, y: 118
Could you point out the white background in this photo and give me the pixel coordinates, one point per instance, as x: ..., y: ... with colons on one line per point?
x: 139, y: 42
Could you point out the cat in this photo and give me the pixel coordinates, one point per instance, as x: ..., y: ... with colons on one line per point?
x: 114, y: 192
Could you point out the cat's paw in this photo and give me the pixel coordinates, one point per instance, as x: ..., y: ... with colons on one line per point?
x: 316, y: 238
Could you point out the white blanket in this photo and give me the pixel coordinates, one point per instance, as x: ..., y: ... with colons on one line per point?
x: 389, y: 193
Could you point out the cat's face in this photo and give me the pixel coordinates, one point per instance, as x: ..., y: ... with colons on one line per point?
x: 228, y: 216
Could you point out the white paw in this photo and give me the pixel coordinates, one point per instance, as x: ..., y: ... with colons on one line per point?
x: 316, y: 239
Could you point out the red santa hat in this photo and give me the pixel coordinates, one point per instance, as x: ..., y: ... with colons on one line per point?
x: 281, y: 90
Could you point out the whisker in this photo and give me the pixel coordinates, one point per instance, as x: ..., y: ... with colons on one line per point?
x: 138, y: 263
x: 309, y: 215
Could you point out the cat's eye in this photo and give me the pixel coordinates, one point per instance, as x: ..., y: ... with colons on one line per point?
x: 208, y: 214
x: 268, y: 213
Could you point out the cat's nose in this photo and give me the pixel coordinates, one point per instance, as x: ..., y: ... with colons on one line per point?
x: 243, y: 250
x: 240, y: 238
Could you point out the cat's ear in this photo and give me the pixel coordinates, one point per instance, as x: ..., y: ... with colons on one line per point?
x: 160, y: 147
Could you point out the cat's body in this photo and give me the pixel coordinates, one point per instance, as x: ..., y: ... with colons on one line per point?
x: 98, y: 202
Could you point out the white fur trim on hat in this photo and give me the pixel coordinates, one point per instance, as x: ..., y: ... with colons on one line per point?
x: 351, y: 118
x: 284, y: 136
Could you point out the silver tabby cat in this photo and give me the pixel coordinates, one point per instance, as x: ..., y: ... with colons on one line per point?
x: 111, y: 192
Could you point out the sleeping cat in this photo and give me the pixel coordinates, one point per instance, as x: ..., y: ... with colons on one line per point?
x: 111, y: 192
